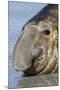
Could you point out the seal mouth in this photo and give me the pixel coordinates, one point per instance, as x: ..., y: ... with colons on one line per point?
x: 37, y: 53
x: 37, y: 56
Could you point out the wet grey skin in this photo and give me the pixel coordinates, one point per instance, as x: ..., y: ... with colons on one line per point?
x: 36, y: 50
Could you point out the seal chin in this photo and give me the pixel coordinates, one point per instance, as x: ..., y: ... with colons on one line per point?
x: 30, y: 71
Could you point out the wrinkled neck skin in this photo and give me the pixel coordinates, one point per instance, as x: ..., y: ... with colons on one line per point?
x: 36, y: 52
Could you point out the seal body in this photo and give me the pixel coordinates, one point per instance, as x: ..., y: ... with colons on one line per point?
x: 36, y: 51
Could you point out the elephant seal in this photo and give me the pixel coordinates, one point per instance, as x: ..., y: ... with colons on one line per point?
x: 36, y: 50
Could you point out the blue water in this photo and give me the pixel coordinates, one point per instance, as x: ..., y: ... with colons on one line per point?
x: 19, y: 14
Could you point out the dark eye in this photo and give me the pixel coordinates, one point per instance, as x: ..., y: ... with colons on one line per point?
x: 46, y: 32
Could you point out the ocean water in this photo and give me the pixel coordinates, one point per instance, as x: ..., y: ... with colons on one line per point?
x: 18, y: 14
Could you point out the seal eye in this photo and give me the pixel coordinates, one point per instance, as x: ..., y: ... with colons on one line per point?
x: 46, y: 32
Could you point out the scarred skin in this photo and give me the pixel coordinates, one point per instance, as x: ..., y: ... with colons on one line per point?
x: 36, y: 50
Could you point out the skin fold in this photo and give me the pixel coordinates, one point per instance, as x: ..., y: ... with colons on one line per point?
x: 36, y: 50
